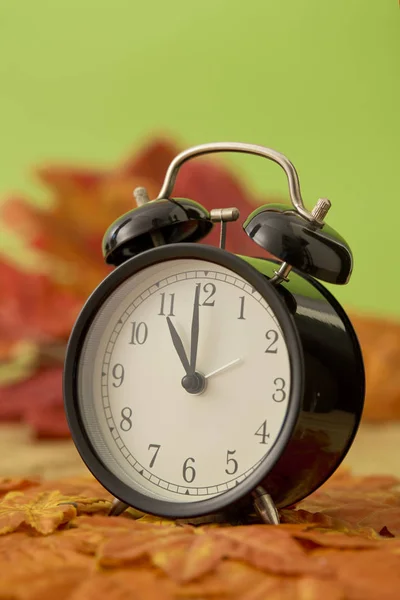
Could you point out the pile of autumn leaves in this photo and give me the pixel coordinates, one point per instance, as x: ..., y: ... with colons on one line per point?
x: 59, y: 263
x: 339, y: 544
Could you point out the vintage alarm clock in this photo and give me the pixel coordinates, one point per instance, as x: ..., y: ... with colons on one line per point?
x: 198, y: 382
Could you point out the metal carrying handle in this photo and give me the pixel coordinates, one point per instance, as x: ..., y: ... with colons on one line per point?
x: 316, y: 216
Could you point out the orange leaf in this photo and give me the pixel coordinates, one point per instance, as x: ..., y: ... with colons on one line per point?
x: 49, y: 584
x: 270, y: 549
x: 156, y: 520
x: 86, y: 538
x: 304, y: 588
x: 64, y: 240
x: 316, y: 519
x: 13, y: 484
x: 125, y: 585
x: 152, y: 161
x: 331, y: 539
x: 142, y: 542
x: 387, y: 518
x: 26, y: 552
x: 233, y: 579
x: 87, y: 487
x: 352, y: 504
x: 190, y: 558
x: 52, y: 310
x: 147, y: 560
x: 44, y: 511
x: 370, y: 483
x: 106, y: 524
x: 39, y: 568
x: 372, y: 575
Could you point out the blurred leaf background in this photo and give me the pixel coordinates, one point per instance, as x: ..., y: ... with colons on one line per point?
x: 88, y: 81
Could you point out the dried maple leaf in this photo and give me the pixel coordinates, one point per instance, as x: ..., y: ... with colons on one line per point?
x: 187, y: 559
x: 36, y: 568
x: 46, y: 412
x: 30, y: 385
x: 13, y: 484
x: 90, y: 505
x: 343, y: 479
x: 65, y: 239
x: 310, y: 538
x: 156, y: 520
x: 135, y: 584
x: 25, y: 552
x: 18, y: 360
x: 230, y: 578
x: 141, y: 542
x: 142, y: 559
x: 86, y: 201
x: 52, y: 308
x: 299, y: 588
x: 106, y: 524
x: 43, y: 511
x: 87, y: 487
x: 370, y: 575
x: 49, y: 584
x: 365, y: 505
x: 324, y: 522
x: 86, y: 534
x: 386, y: 520
x: 381, y: 368
x: 271, y: 549
x: 185, y: 553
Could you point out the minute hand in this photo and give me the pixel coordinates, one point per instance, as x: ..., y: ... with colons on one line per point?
x: 194, y: 342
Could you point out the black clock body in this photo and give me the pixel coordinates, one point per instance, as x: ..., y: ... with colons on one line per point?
x: 326, y: 398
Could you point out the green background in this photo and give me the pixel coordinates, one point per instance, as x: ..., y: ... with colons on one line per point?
x: 90, y: 80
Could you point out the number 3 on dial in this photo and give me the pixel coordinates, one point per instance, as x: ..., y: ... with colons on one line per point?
x: 280, y: 394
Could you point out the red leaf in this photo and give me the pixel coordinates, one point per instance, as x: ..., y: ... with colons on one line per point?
x: 37, y: 401
x: 66, y: 240
x: 32, y: 307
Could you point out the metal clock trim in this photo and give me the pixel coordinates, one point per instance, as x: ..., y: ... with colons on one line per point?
x: 111, y: 482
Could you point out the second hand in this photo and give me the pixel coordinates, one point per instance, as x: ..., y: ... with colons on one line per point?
x: 233, y: 362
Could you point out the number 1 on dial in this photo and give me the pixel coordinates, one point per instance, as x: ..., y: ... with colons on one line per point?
x: 241, y: 315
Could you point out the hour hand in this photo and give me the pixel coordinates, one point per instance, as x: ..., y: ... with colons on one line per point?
x: 178, y: 345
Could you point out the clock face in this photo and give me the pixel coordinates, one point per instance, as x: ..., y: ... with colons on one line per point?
x: 183, y: 380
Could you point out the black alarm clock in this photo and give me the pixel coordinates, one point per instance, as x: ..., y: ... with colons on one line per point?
x: 198, y: 382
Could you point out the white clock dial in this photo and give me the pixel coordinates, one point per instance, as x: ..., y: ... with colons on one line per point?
x: 164, y: 426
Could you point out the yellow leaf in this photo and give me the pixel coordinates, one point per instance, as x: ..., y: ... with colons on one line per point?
x: 43, y: 512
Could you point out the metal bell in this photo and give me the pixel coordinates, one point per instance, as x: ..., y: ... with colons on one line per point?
x: 154, y: 224
x: 314, y: 250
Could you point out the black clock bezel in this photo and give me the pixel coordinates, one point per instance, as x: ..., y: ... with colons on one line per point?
x: 129, y: 495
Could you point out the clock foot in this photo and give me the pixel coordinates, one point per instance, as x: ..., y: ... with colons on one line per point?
x: 265, y: 507
x: 117, y: 508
